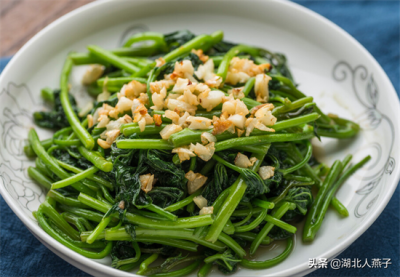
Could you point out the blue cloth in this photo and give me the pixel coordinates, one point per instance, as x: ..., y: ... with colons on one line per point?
x: 375, y: 24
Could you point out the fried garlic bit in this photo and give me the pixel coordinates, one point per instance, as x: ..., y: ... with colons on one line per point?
x: 146, y: 182
x: 206, y: 210
x: 204, y: 152
x: 243, y: 161
x: 195, y: 181
x: 169, y: 130
x: 266, y: 172
x: 93, y: 73
x: 200, y: 201
x: 184, y: 153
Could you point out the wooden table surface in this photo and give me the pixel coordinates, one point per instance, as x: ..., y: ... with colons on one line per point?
x: 22, y: 19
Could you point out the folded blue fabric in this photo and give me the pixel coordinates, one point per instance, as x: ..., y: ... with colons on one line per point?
x: 375, y: 24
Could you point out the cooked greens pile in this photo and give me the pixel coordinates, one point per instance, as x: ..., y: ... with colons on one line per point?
x: 195, y: 151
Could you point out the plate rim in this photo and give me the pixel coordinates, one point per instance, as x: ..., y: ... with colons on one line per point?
x: 102, y: 269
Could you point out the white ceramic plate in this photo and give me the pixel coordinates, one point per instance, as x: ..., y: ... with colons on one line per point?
x: 327, y: 63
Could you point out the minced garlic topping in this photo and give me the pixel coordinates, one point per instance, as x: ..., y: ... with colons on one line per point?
x: 180, y: 96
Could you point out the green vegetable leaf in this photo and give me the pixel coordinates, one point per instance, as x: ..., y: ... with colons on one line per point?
x: 217, y: 185
x: 255, y: 185
x: 167, y: 173
x: 226, y: 261
x: 166, y: 266
x: 277, y: 233
x: 178, y: 38
x: 168, y: 67
x: 302, y: 197
x: 72, y: 157
x: 130, y: 229
x: 121, y: 250
x: 56, y: 118
x: 165, y: 196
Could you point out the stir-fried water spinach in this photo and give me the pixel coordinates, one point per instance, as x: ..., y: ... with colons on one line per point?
x: 195, y: 151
